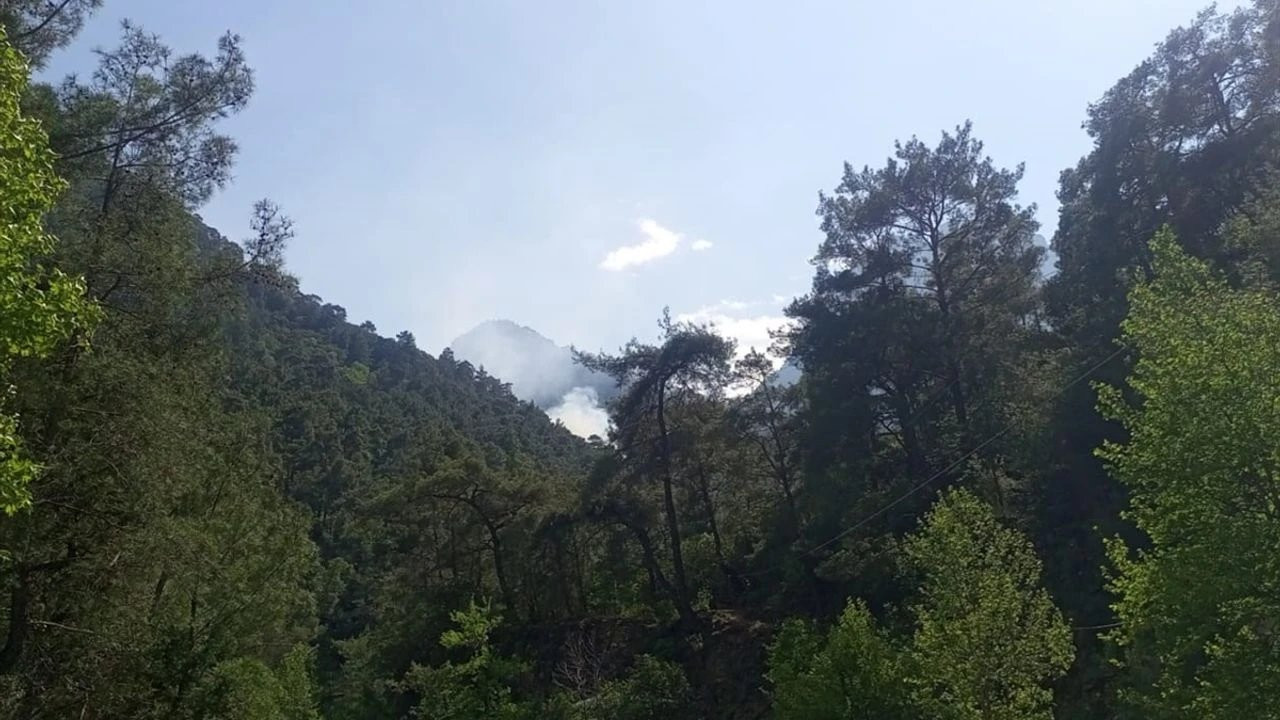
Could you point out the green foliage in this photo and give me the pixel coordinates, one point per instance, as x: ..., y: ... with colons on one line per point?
x: 917, y: 339
x: 40, y: 307
x: 854, y: 672
x: 1188, y: 138
x: 1196, y: 121
x: 250, y: 507
x: 476, y: 688
x: 657, y: 382
x: 247, y: 689
x: 988, y: 639
x: 1198, y: 605
x: 16, y: 470
x: 159, y: 556
x: 923, y: 260
x: 296, y: 676
x: 37, y: 27
x: 357, y: 373
x: 653, y: 689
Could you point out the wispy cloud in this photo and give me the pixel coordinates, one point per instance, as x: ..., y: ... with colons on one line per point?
x: 699, y: 245
x: 658, y: 242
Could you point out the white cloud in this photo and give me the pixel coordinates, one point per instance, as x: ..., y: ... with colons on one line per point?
x: 658, y: 242
x: 580, y: 411
x: 750, y: 331
x: 699, y: 245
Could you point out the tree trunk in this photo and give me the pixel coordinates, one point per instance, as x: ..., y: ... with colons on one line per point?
x: 951, y: 356
x: 681, y: 585
x: 20, y: 608
x: 781, y: 469
x: 19, y: 625
x: 958, y: 402
x: 705, y: 492
x: 910, y: 438
x: 649, y: 556
x: 499, y: 569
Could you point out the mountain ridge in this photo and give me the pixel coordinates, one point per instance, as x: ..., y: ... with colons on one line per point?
x: 538, y: 370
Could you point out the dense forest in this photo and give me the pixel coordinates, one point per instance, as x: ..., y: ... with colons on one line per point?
x: 994, y: 492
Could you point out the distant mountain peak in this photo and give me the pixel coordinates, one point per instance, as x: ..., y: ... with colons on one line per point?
x: 539, y: 370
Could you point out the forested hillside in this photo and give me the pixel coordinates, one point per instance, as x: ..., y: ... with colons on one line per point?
x: 990, y: 494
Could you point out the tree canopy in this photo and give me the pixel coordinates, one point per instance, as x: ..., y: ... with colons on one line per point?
x: 952, y: 487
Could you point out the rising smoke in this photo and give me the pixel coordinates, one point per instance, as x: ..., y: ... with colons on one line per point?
x: 580, y: 411
x: 540, y: 372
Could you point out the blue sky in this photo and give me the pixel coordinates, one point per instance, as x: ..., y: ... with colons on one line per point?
x: 451, y: 162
